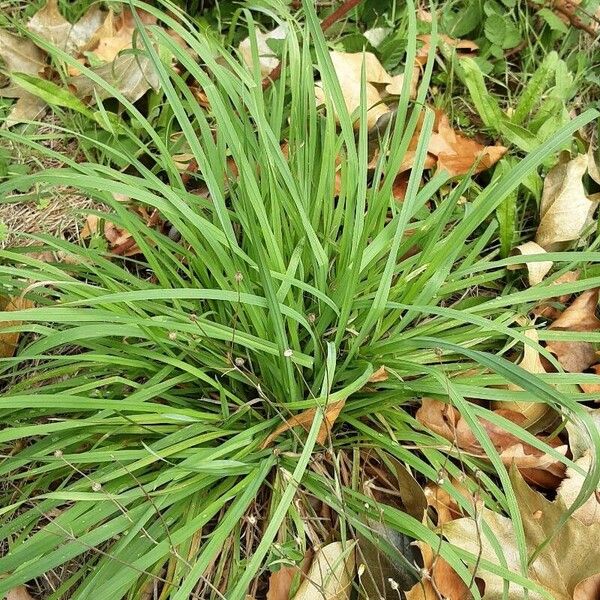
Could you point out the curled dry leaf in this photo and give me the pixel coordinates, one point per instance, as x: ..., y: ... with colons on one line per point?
x: 592, y: 388
x: 451, y: 151
x: 21, y: 55
x: 536, y: 466
x: 380, y: 375
x: 266, y: 57
x: 593, y: 169
x: 9, y: 341
x: 116, y: 34
x: 442, y: 579
x: 348, y: 68
x: 132, y: 74
x: 571, y: 485
x: 565, y: 209
x: 536, y: 270
x: 531, y: 362
x: 305, y: 419
x: 71, y: 37
x: 580, y: 316
x: 567, y: 555
x: 458, y: 154
x: 546, y: 309
x: 580, y: 442
x: 19, y: 593
x: 281, y: 582
x: 330, y: 575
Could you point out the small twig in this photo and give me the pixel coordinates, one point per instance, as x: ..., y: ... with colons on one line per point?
x: 567, y: 9
x: 326, y: 23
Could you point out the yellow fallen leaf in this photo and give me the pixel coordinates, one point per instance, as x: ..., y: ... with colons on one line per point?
x: 536, y: 270
x: 330, y: 575
x: 565, y: 209
x: 305, y: 419
x: 9, y: 341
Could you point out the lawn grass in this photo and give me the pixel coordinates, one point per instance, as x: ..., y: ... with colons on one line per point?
x: 136, y: 408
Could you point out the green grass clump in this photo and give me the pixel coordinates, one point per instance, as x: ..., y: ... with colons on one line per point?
x: 144, y: 388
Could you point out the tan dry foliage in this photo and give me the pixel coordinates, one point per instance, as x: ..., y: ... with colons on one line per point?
x: 71, y: 37
x: 580, y: 316
x: 589, y: 511
x: 19, y: 593
x: 545, y: 309
x: 305, y: 420
x: 380, y: 375
x: 592, y: 388
x: 10, y: 340
x: 562, y: 567
x: 443, y: 579
x: 21, y: 55
x: 536, y: 270
x: 330, y: 575
x: 536, y: 466
x: 348, y: 67
x: 565, y: 209
x: 531, y: 362
x: 116, y: 34
x: 452, y: 151
x: 267, y: 60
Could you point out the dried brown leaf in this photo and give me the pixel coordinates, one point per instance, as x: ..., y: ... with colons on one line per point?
x: 380, y: 375
x: 592, y: 388
x: 330, y: 575
x: 580, y: 316
x: 305, y: 420
x: 567, y: 555
x: 565, y: 209
x: 133, y: 75
x: 545, y: 309
x: 71, y: 37
x: 19, y: 593
x: 21, y: 55
x: 266, y: 57
x: 10, y: 340
x: 589, y: 511
x: 588, y: 589
x: 280, y: 583
x: 443, y: 579
x: 458, y: 154
x: 348, y: 68
x: 536, y: 270
x: 531, y: 362
x: 116, y: 34
x: 537, y: 467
